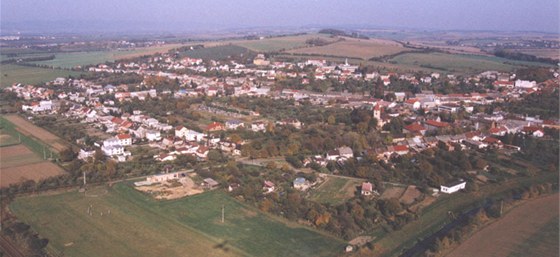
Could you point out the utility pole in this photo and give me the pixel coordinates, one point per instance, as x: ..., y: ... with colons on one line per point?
x: 501, y: 207
x: 44, y: 153
x: 84, y: 178
x: 223, y: 213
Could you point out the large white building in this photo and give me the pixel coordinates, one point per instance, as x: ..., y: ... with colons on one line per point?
x: 453, y: 187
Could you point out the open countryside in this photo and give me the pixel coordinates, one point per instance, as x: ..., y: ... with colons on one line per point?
x: 137, y: 225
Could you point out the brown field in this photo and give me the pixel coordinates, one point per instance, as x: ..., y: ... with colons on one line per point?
x: 17, y: 155
x: 392, y: 192
x: 27, y: 128
x: 355, y: 48
x: 18, y: 163
x: 505, y: 236
x: 410, y: 195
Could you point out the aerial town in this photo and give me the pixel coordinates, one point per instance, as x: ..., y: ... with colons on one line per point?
x: 315, y: 142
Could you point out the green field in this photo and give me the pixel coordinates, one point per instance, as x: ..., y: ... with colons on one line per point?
x: 281, y: 43
x: 459, y: 63
x: 140, y: 226
x: 11, y: 73
x: 335, y: 190
x: 73, y: 59
x: 219, y: 52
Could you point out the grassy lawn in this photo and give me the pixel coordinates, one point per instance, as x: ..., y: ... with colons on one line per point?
x: 433, y: 217
x: 141, y: 226
x: 10, y: 74
x: 459, y: 63
x: 335, y: 190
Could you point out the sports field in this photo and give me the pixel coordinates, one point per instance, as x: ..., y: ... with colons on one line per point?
x: 335, y: 190
x: 124, y: 222
x: 10, y: 74
x: 354, y: 48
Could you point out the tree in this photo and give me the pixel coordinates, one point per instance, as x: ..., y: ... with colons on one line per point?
x: 67, y: 154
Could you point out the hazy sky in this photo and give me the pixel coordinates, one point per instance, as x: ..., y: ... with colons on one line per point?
x: 533, y: 15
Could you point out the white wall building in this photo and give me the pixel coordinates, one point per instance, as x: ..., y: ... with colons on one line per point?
x: 453, y: 187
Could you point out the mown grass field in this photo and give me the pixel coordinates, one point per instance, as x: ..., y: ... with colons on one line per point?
x: 335, y: 190
x: 459, y: 63
x: 354, y: 48
x: 140, y: 226
x: 10, y: 73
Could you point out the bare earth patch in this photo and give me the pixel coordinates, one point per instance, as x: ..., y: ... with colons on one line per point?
x: 35, y: 171
x: 501, y: 238
x: 169, y: 190
x: 392, y: 192
x: 410, y: 195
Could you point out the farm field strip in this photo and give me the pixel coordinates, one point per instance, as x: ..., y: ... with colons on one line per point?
x: 503, y: 237
x: 141, y: 226
x: 29, y: 130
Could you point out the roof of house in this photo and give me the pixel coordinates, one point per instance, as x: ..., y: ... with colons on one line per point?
x: 123, y: 136
x: 435, y: 123
x: 366, y: 186
x: 414, y: 127
x: 400, y: 148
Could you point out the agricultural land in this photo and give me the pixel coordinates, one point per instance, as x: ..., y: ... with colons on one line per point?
x: 125, y: 222
x: 530, y: 229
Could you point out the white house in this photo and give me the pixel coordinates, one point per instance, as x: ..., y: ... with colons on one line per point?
x: 453, y: 187
x: 113, y: 150
x: 258, y: 126
x: 525, y: 84
x: 124, y: 139
x: 192, y: 135
x: 153, y: 135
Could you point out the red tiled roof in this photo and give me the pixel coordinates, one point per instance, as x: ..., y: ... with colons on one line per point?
x: 400, y: 148
x: 123, y: 136
x: 435, y: 123
x: 414, y: 127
